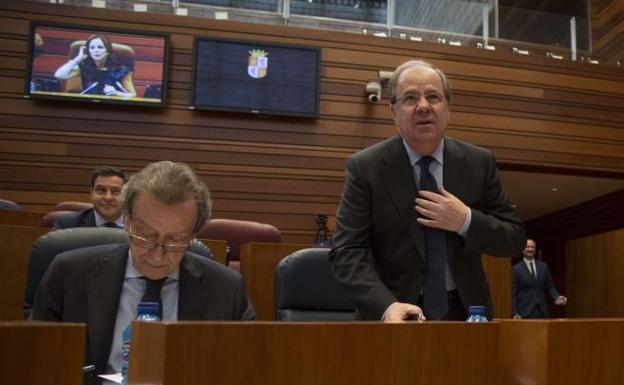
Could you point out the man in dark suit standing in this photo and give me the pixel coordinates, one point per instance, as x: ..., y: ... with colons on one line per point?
x: 529, y: 280
x: 165, y: 205
x: 418, y: 210
x: 106, y: 185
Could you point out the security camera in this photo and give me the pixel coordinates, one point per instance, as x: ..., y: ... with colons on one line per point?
x: 373, y: 89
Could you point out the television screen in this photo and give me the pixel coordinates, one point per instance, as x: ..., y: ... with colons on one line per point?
x: 256, y: 77
x: 97, y: 65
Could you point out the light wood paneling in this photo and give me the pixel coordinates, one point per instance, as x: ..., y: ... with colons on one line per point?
x: 564, y: 352
x: 498, y: 273
x: 595, y: 275
x: 258, y: 262
x: 16, y: 242
x: 280, y: 353
x: 35, y: 353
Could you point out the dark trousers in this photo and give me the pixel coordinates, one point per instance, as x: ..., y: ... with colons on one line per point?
x: 536, y: 313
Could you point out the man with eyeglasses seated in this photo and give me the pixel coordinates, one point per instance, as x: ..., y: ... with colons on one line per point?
x: 165, y: 205
x: 418, y: 210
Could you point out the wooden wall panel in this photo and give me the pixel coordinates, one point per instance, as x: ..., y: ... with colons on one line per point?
x: 498, y: 272
x: 530, y: 111
x: 607, y: 19
x: 595, y: 275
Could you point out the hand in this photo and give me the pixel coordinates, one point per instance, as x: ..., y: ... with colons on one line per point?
x: 81, y: 55
x: 517, y: 316
x: 400, y: 312
x: 561, y: 300
x: 443, y: 211
x: 110, y: 90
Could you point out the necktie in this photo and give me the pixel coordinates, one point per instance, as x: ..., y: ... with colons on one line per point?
x: 532, y: 269
x: 111, y: 224
x: 152, y: 292
x: 435, y: 300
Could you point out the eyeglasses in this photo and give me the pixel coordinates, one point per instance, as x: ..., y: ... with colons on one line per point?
x: 413, y: 99
x: 151, y: 245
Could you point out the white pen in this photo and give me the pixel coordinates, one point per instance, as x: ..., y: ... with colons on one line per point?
x: 90, y: 87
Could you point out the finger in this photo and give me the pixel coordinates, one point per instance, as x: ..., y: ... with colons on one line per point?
x: 430, y: 195
x: 430, y: 223
x: 428, y: 214
x: 414, y: 313
x: 446, y: 193
x: 426, y: 204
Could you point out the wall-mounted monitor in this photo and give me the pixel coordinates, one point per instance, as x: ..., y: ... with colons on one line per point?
x: 94, y: 64
x: 256, y: 77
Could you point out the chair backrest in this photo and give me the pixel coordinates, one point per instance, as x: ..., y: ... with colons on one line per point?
x: 72, y: 206
x: 306, y: 290
x: 6, y: 204
x: 124, y: 54
x: 48, y: 220
x: 237, y: 233
x: 48, y: 246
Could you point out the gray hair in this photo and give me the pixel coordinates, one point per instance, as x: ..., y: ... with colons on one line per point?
x: 411, y: 64
x: 169, y: 183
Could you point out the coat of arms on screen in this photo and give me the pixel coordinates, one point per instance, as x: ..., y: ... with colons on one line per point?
x: 258, y: 63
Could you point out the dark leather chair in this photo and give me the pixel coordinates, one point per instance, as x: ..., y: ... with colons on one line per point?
x: 61, y: 209
x: 237, y: 233
x: 72, y: 206
x: 306, y: 290
x: 48, y: 220
x: 6, y: 204
x: 55, y: 242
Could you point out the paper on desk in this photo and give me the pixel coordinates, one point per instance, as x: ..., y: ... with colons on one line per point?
x: 116, y: 378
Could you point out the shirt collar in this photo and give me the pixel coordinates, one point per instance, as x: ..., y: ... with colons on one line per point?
x: 100, y: 221
x: 414, y: 157
x: 131, y: 272
x: 526, y: 260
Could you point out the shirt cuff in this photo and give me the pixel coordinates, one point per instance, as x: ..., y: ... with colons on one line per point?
x: 463, y: 230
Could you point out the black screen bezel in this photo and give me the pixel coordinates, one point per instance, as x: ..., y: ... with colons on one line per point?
x: 250, y: 110
x: 85, y: 28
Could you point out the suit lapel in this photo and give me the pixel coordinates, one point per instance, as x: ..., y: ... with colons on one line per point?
x: 192, y: 298
x: 103, y: 293
x: 399, y: 180
x: 457, y: 173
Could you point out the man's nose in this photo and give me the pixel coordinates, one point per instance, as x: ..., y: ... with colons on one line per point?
x: 423, y: 105
x: 158, y: 253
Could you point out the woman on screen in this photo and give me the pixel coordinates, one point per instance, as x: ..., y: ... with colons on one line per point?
x: 97, y: 70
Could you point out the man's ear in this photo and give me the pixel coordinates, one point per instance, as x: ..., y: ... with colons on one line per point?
x: 393, y: 109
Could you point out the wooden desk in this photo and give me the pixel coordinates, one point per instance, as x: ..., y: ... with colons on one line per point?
x: 282, y: 353
x: 257, y: 265
x: 16, y: 242
x: 36, y: 353
x: 218, y: 249
x: 562, y: 352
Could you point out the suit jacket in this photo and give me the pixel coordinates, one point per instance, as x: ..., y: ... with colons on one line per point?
x: 527, y: 292
x: 84, y: 218
x: 378, y: 248
x: 84, y: 285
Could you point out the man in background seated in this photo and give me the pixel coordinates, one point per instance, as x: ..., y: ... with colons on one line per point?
x: 164, y: 205
x: 106, y: 185
x: 529, y: 280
